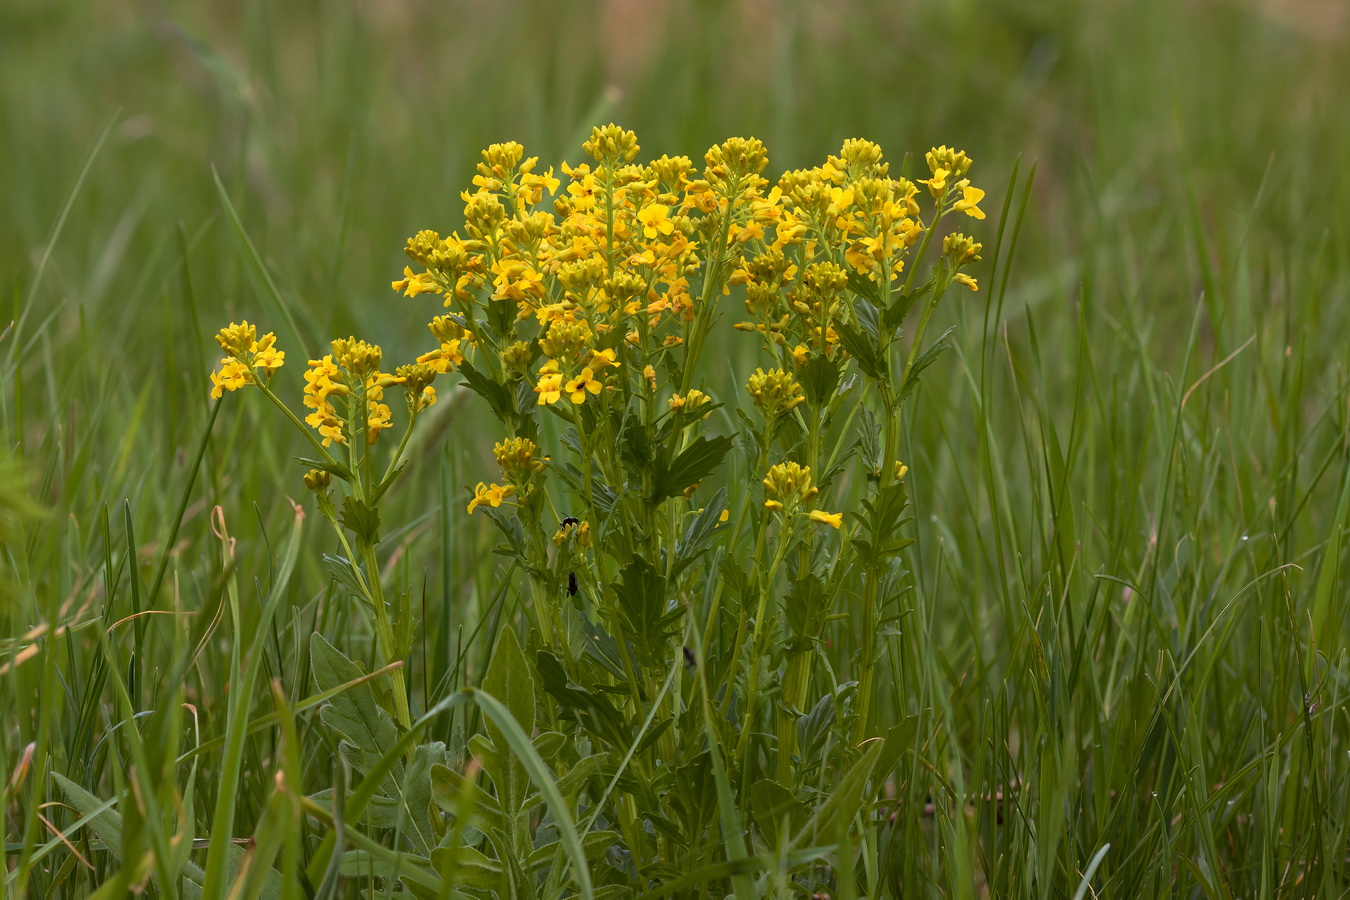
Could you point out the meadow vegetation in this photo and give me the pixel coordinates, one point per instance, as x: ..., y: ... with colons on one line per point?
x: 701, y: 633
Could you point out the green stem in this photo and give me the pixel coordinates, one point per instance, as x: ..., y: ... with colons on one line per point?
x: 752, y: 690
x: 385, y: 633
x: 304, y: 429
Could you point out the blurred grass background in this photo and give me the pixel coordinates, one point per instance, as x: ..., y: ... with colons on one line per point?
x: 1190, y: 201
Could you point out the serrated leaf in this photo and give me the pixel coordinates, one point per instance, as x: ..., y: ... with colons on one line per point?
x: 497, y: 395
x: 895, y: 313
x: 695, y: 463
x: 864, y: 287
x: 360, y: 519
x: 643, y: 612
x: 591, y: 708
x: 698, y: 537
x: 340, y: 570
x: 819, y: 376
x: 857, y: 345
x: 354, y: 714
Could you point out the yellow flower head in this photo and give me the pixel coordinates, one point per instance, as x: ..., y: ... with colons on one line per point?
x: 237, y: 340
x: 318, y: 481
x: 834, y: 520
x: 416, y: 380
x: 565, y: 339
x: 960, y: 249
x: 231, y: 376
x: 655, y: 219
x: 411, y: 285
x: 378, y: 419
x: 576, y: 388
x: 357, y: 357
x: 549, y: 388
x: 517, y: 458
x: 244, y: 351
x: 690, y: 401
x: 266, y: 356
x: 490, y: 495
x: 581, y: 531
x: 970, y: 197
x: 788, y: 484
x: 776, y: 392
x: 601, y: 359
x: 611, y: 145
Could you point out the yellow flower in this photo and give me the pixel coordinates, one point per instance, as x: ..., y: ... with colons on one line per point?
x: 601, y: 359
x: 326, y: 422
x: 266, y: 356
x: 900, y: 470
x: 834, y: 520
x: 572, y: 528
x: 970, y: 196
x: 426, y: 398
x: 726, y: 515
x: 232, y: 376
x: 790, y: 481
x: 237, y: 340
x: 444, y: 359
x: 963, y: 278
x: 411, y: 285
x: 649, y: 373
x: 490, y: 495
x: 655, y: 220
x: 549, y: 388
x: 379, y: 418
x: 577, y: 387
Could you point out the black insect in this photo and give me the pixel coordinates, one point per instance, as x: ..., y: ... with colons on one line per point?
x: 689, y: 661
x: 571, y: 584
x: 570, y: 520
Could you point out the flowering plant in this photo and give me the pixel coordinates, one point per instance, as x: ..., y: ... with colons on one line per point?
x: 675, y: 617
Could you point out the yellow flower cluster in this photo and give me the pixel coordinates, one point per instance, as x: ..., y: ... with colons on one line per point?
x: 581, y: 284
x: 244, y: 352
x: 351, y: 374
x: 788, y: 486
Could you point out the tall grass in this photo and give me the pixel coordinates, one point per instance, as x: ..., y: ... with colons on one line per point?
x: 1125, y: 663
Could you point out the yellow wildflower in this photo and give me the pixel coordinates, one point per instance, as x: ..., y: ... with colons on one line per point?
x: 834, y: 520
x: 601, y: 359
x: 232, y: 376
x: 970, y: 196
x: 549, y: 388
x: 963, y: 278
x: 655, y: 220
x: 490, y: 495
x: 577, y: 387
x: 378, y: 419
x: 789, y: 481
x: 411, y: 285
x: 266, y: 356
